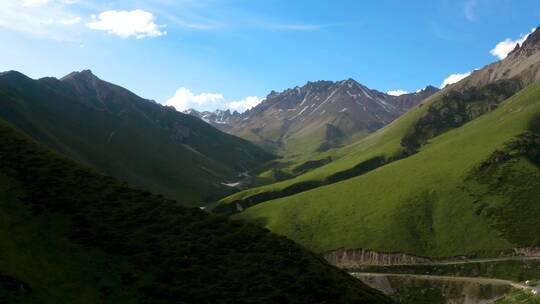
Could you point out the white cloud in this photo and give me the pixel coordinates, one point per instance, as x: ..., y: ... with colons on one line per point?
x: 503, y: 48
x: 397, y: 92
x: 454, y: 78
x: 137, y: 23
x: 184, y: 99
x: 245, y: 104
x: 44, y: 18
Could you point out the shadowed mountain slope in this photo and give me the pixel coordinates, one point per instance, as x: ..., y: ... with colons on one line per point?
x: 123, y: 135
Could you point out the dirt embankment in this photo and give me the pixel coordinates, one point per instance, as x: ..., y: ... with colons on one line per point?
x: 352, y: 258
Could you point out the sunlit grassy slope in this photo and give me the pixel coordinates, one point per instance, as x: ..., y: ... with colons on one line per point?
x: 71, y: 235
x: 437, y: 202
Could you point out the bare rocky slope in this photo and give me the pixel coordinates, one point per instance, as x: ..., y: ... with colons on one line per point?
x: 315, y: 117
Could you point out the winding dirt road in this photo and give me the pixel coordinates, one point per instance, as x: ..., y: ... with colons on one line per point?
x: 535, y: 290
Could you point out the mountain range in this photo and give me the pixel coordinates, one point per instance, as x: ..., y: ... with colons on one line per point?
x: 315, y: 117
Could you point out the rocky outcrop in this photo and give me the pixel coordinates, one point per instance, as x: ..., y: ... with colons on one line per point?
x: 350, y: 258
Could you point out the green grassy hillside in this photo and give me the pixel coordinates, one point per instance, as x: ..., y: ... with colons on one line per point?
x: 128, y: 137
x: 451, y: 108
x: 70, y: 235
x: 436, y: 115
x: 471, y: 190
x: 381, y: 147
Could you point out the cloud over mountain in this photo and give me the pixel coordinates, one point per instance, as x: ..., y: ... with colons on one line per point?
x: 503, y: 48
x: 184, y: 99
x: 454, y: 78
x: 245, y: 104
x: 397, y: 92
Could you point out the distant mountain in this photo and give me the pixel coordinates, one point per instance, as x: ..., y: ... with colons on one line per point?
x: 221, y: 119
x: 126, y: 136
x: 71, y: 235
x: 315, y: 117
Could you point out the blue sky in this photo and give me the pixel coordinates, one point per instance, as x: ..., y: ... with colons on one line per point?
x: 216, y: 53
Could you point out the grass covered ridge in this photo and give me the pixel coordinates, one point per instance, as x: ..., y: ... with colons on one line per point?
x: 404, y: 137
x: 438, y: 202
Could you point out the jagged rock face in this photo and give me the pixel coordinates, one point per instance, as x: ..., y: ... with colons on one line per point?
x: 317, y: 116
x: 522, y: 65
x: 529, y: 46
x: 221, y: 119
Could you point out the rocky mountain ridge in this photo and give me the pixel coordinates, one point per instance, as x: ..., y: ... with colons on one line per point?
x: 315, y: 117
